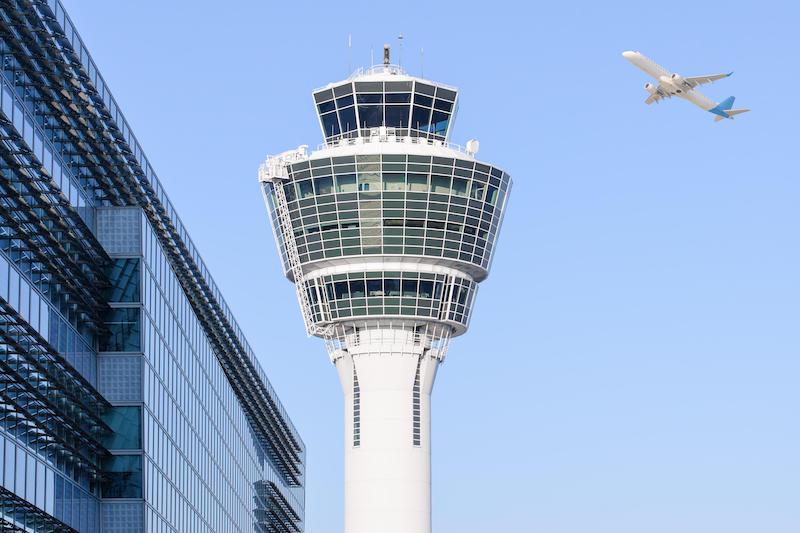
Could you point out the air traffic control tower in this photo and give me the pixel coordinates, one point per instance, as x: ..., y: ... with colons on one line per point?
x: 386, y: 230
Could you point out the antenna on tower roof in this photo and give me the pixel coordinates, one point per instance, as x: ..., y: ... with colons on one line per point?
x: 400, y: 49
x: 385, y: 55
x: 349, y: 53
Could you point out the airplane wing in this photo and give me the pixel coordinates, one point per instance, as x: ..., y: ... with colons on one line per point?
x: 695, y: 81
x: 653, y: 98
x: 656, y: 97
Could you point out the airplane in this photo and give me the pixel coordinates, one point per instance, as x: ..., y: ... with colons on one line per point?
x: 671, y: 84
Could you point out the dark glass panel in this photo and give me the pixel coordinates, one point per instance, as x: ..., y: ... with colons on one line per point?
x: 322, y: 96
x: 330, y: 124
x: 305, y: 189
x: 425, y: 289
x: 122, y: 476
x: 420, y: 119
x: 347, y: 119
x: 392, y: 287
x: 371, y: 116
x: 323, y: 185
x: 344, y: 101
x: 425, y: 89
x: 326, y: 107
x: 398, y: 86
x: 460, y: 186
x: 439, y: 121
x: 398, y: 98
x: 394, y: 182
x: 418, y: 182
x: 125, y: 281
x: 126, y: 424
x: 397, y: 116
x: 409, y: 288
x: 340, y: 289
x: 357, y: 288
x: 123, y: 331
x: 369, y: 98
x: 375, y: 287
x: 447, y: 94
x: 491, y: 195
x: 341, y: 90
x: 423, y: 100
x: 369, y: 87
x: 440, y: 184
x: 443, y: 105
x: 346, y: 183
x: 288, y: 190
x: 478, y: 189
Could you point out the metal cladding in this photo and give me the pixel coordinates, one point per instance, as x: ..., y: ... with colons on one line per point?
x: 386, y: 231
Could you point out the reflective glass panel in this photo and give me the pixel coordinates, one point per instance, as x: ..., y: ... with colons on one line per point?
x: 124, y: 277
x: 126, y: 425
x: 123, y: 331
x: 123, y: 476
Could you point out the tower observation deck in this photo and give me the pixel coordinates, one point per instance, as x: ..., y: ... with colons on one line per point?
x: 386, y: 230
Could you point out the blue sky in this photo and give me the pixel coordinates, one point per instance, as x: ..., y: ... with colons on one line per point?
x: 632, y: 363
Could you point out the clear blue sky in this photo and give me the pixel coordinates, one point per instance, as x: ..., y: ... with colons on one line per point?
x: 632, y: 364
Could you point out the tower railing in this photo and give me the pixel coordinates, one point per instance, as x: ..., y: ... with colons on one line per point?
x: 387, y: 135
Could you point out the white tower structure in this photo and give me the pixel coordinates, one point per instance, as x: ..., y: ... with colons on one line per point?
x: 386, y: 230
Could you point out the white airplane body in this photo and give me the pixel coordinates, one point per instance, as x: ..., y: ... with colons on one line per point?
x: 671, y: 84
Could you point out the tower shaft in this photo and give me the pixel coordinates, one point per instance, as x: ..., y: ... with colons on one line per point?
x: 387, y: 378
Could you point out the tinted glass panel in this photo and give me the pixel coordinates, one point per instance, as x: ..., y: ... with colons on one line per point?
x: 124, y: 277
x: 398, y: 98
x: 330, y: 124
x: 344, y: 101
x: 439, y: 121
x: 346, y: 183
x: 371, y: 116
x: 123, y: 476
x: 327, y: 106
x: 123, y: 331
x: 420, y: 120
x: 397, y: 116
x: 323, y: 185
x: 126, y: 425
x: 347, y: 118
x: 305, y: 189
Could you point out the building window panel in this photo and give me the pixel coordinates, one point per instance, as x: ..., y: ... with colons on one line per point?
x: 123, y: 475
x: 124, y: 331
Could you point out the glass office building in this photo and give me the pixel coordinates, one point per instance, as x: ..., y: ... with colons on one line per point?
x: 130, y: 401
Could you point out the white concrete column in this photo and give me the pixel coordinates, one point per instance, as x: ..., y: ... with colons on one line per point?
x: 387, y: 470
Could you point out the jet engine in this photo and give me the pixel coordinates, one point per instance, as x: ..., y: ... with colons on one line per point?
x: 677, y: 78
x: 649, y: 87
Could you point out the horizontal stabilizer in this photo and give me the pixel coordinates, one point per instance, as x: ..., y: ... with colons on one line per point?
x: 730, y: 113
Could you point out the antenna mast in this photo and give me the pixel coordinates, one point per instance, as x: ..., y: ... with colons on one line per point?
x: 400, y: 49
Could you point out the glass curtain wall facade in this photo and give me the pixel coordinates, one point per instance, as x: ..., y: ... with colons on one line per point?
x: 131, y: 401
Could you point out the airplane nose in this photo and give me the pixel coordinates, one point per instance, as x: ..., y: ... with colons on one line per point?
x: 628, y: 54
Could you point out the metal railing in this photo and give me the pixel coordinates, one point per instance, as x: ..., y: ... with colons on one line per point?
x: 388, y: 136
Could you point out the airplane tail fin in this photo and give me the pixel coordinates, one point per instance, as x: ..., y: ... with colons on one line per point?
x: 727, y: 103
